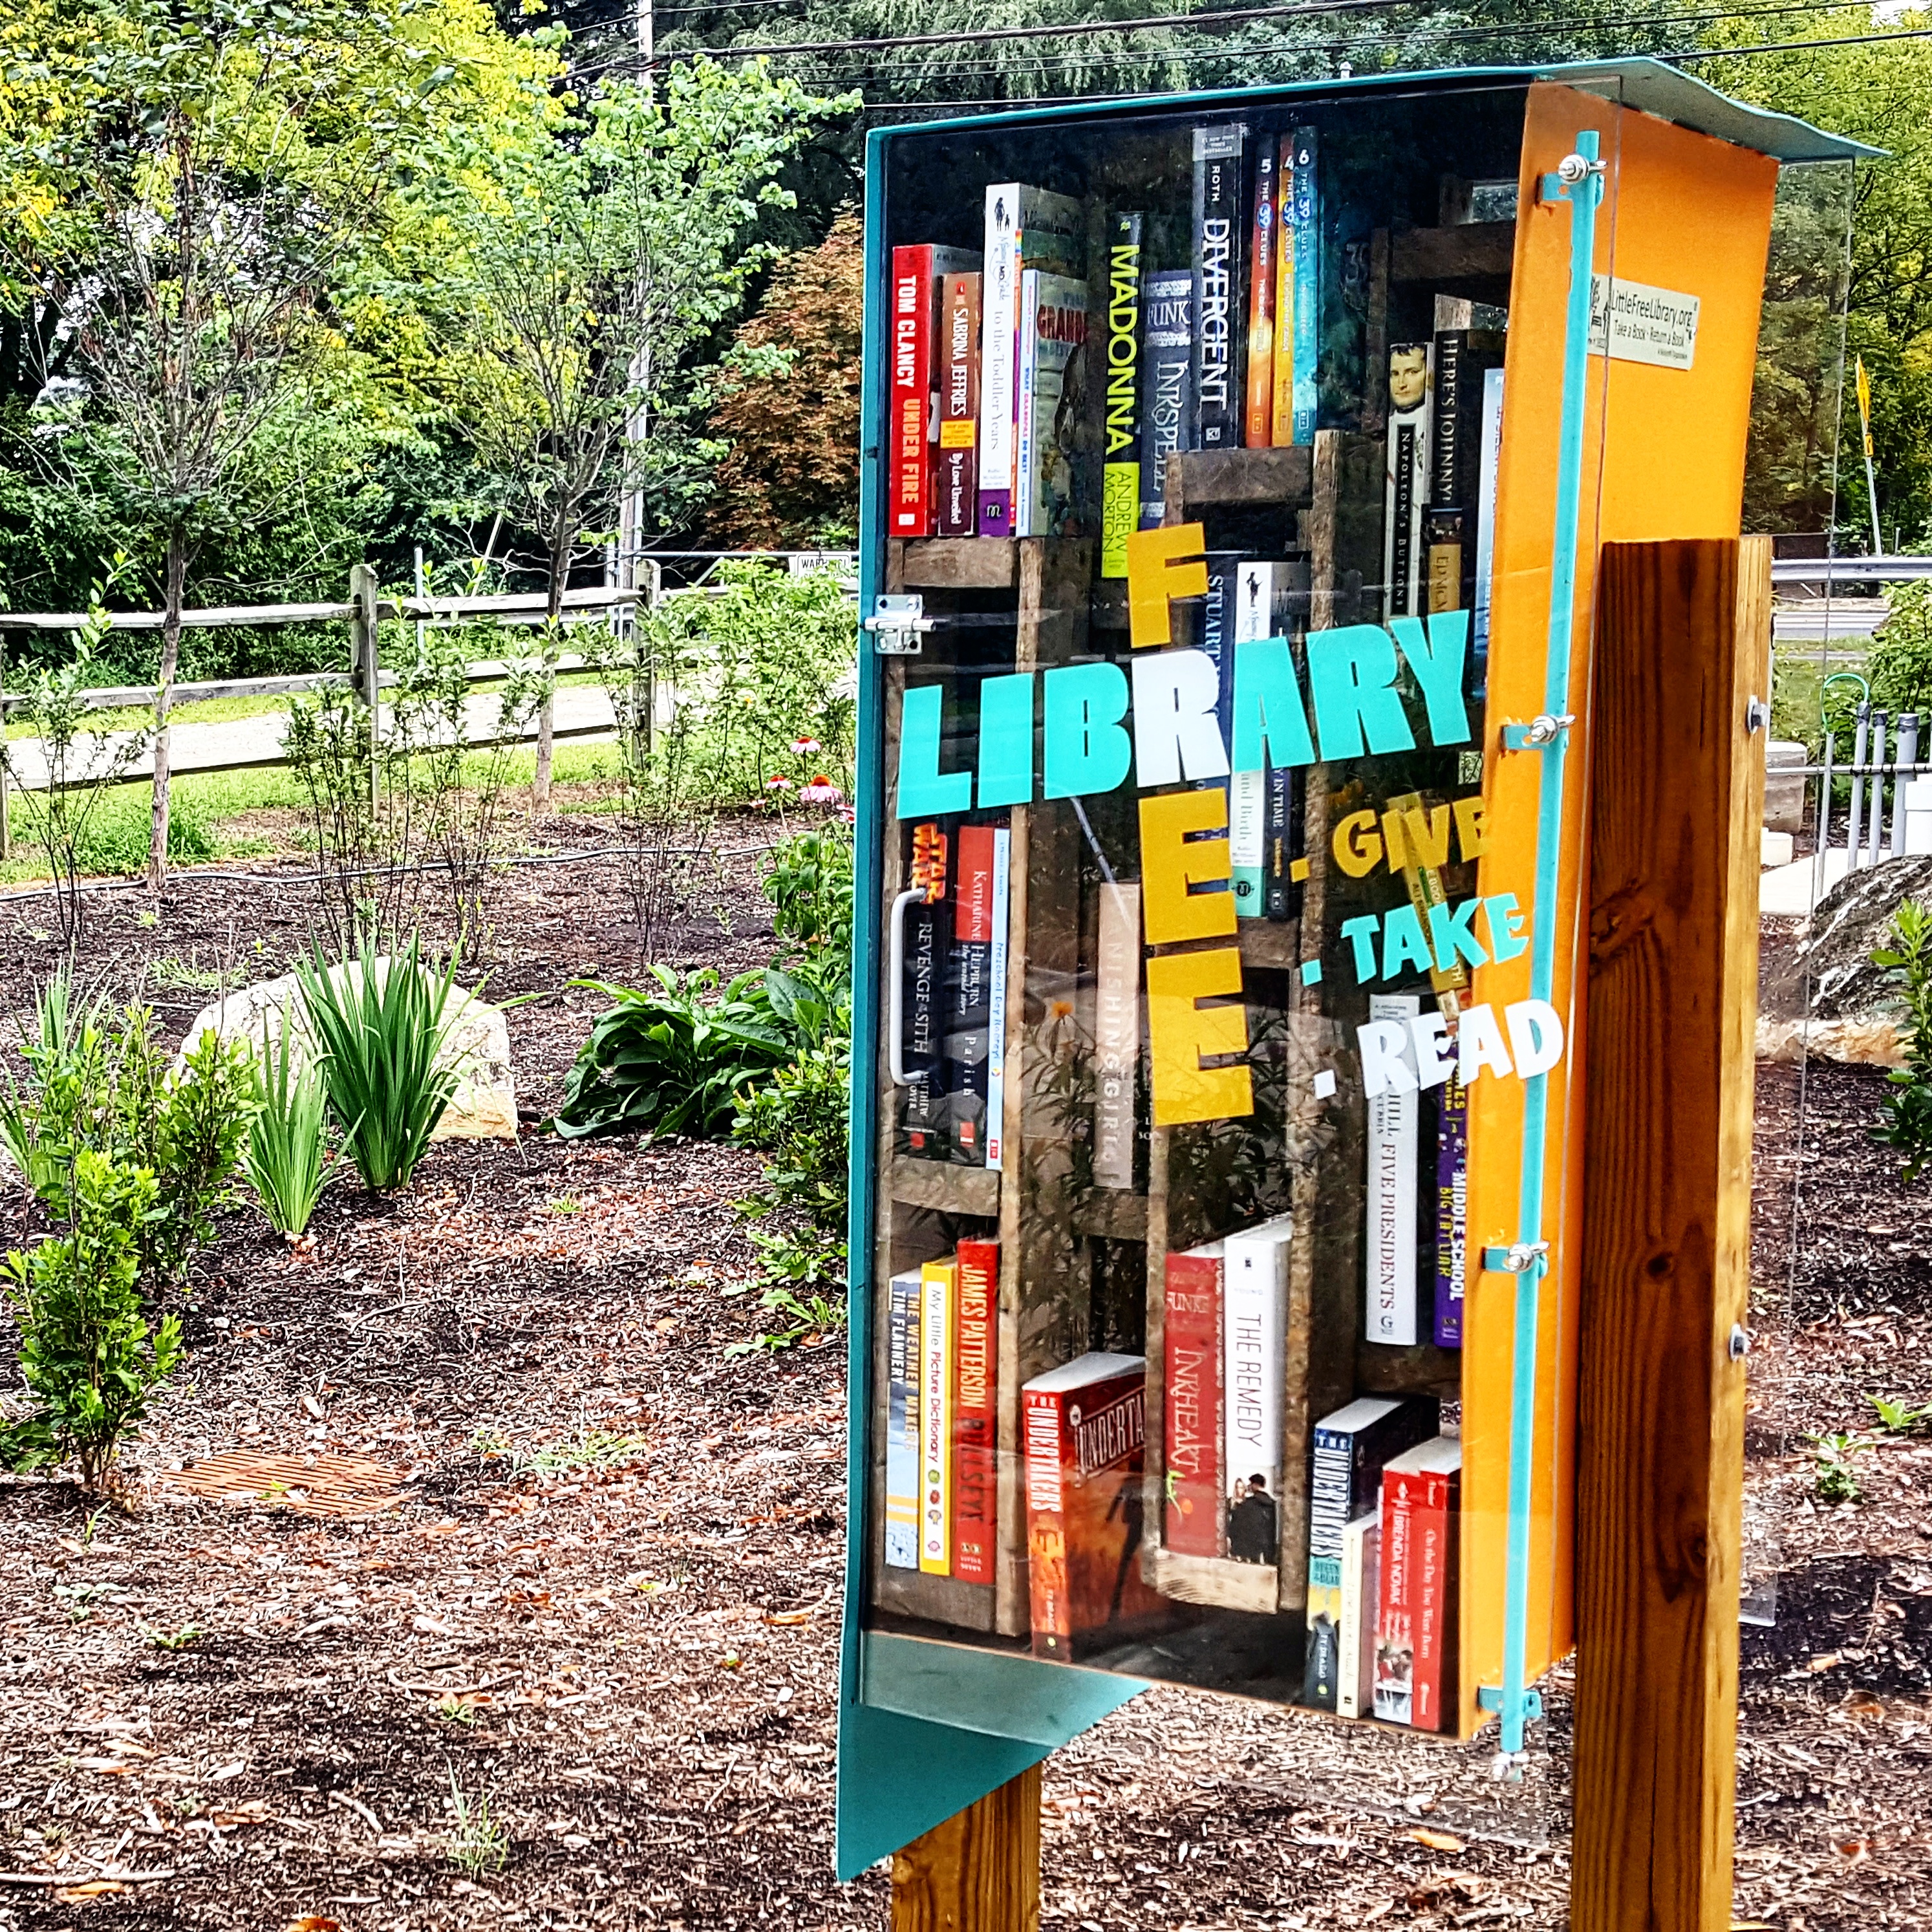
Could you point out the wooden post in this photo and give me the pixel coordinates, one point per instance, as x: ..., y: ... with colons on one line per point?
x: 1677, y: 797
x: 978, y: 1872
x: 363, y: 628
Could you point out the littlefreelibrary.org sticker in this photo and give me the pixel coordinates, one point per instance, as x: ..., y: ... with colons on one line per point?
x: 1636, y: 323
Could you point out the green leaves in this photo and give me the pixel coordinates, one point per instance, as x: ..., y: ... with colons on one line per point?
x: 287, y: 1160
x: 380, y: 1027
x: 1905, y: 1122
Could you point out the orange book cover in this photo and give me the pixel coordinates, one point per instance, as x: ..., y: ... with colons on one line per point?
x: 1085, y: 1431
x: 976, y: 1358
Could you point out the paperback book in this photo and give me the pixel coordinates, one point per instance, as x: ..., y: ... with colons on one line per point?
x: 956, y: 507
x: 1053, y: 331
x: 1308, y: 254
x: 969, y: 991
x: 1254, y: 1324
x: 1460, y: 365
x: 975, y: 1412
x: 1193, y: 1487
x: 1117, y: 1035
x: 1258, y: 431
x: 1355, y: 1645
x: 1416, y: 1627
x: 902, y: 1420
x: 922, y: 993
x: 1452, y: 1208
x: 1263, y: 607
x: 918, y: 276
x: 938, y: 1284
x: 1167, y: 380
x: 1406, y: 478
x: 1218, y: 237
x: 1120, y: 472
x: 1393, y: 1152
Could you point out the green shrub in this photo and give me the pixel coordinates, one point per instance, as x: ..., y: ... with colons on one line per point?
x: 1906, y: 1110
x: 86, y: 1352
x: 801, y: 1119
x: 66, y: 1102
x: 669, y: 1060
x: 201, y: 1125
x: 287, y: 1158
x: 380, y: 1030
x: 808, y: 881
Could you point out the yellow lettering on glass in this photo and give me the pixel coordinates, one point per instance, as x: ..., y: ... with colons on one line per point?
x: 1181, y: 1033
x: 1165, y: 563
x: 1172, y: 863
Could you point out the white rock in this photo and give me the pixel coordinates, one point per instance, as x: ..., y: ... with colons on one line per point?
x: 483, y: 1107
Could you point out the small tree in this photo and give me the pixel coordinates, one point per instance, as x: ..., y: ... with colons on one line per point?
x: 587, y: 257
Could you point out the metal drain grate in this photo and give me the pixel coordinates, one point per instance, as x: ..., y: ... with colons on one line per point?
x: 309, y: 1485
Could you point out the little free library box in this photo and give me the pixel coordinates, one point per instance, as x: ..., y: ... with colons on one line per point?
x: 1238, y: 470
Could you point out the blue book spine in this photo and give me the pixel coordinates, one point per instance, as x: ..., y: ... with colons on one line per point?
x: 1307, y: 284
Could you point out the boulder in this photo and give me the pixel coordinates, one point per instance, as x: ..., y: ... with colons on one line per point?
x: 484, y: 1106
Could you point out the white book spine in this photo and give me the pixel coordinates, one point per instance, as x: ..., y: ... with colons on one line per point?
x: 998, y: 337
x: 1254, y: 1324
x: 1247, y: 791
x: 1355, y: 1635
x: 1486, y: 505
x: 1393, y: 1126
x: 1117, y: 1035
x: 1026, y: 455
x: 996, y: 1024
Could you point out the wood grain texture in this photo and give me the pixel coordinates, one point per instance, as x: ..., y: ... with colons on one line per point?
x: 1675, y: 795
x: 978, y: 1872
x: 1473, y: 259
x: 953, y: 563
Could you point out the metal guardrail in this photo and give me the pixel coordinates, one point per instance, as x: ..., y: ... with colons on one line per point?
x: 1849, y: 569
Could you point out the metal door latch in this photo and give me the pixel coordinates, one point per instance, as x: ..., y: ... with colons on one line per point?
x: 1518, y: 1258
x: 1541, y: 732
x: 897, y: 624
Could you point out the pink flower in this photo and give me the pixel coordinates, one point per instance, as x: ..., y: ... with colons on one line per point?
x: 778, y: 785
x: 805, y: 747
x: 820, y: 791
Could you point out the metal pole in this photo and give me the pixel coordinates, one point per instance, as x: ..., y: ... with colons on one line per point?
x: 1862, y: 717
x: 1908, y: 757
x: 1824, y: 820
x: 362, y: 595
x: 1873, y: 854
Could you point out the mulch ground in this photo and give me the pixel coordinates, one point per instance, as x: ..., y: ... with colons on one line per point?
x: 575, y: 1600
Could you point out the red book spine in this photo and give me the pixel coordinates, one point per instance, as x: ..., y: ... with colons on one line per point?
x: 1432, y: 1580
x: 1191, y: 1354
x: 1048, y: 1450
x: 1395, y: 1614
x: 911, y: 495
x: 975, y: 1414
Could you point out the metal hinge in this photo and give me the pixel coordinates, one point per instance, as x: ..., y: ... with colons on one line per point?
x: 897, y: 624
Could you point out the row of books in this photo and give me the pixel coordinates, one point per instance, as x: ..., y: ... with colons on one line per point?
x: 1382, y: 1563
x: 950, y: 1011
x: 942, y: 1484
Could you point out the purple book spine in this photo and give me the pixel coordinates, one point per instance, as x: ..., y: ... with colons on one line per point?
x: 1452, y: 1209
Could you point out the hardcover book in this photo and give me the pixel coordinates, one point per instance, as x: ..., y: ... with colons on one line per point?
x: 970, y: 990
x: 976, y: 1361
x: 1084, y: 1431
x: 1254, y: 1326
x: 1026, y: 228
x: 1351, y: 1447
x: 1416, y: 1626
x: 937, y: 1288
x: 956, y: 505
x: 1117, y: 1035
x: 1452, y: 1208
x: 1258, y: 431
x: 1193, y: 1487
x: 1308, y: 266
x: 1053, y: 332
x: 1460, y: 364
x: 1406, y: 472
x: 902, y: 1437
x: 996, y: 997
x: 922, y: 995
x: 1218, y: 236
x: 1390, y: 1198
x: 1355, y: 1641
x: 917, y: 275
x: 1120, y: 473
x: 1167, y: 378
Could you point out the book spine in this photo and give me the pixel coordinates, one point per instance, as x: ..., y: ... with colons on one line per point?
x: 1451, y: 425
x: 1247, y: 791
x: 1120, y: 473
x: 1452, y: 1208
x: 996, y: 1000
x: 1282, y: 824
x: 1258, y: 429
x: 924, y: 995
x: 1056, y: 320
x: 1047, y: 1452
x: 998, y: 372
x: 1406, y: 472
x: 1217, y: 240
x: 1391, y: 1202
x: 1491, y: 458
x: 1330, y: 1482
x: 969, y: 1021
x: 1417, y: 839
x: 1433, y: 1582
x: 1167, y: 363
x: 937, y: 1283
x: 1355, y: 1643
x: 956, y: 510
x: 1026, y: 487
x: 1395, y: 1610
x: 902, y: 1430
x: 1195, y: 1488
x: 975, y: 1440
x: 1254, y: 1329
x: 1117, y: 1035
x: 1307, y: 284
x: 1282, y: 403
x: 912, y: 383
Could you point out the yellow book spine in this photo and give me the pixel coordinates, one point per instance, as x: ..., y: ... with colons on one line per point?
x: 939, y: 1285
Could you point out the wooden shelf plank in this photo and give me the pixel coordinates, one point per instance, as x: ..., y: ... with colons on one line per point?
x: 945, y: 1188
x: 958, y: 563
x: 1383, y: 1369
x: 1114, y: 1215
x: 1471, y: 259
x: 1274, y: 944
x: 1198, y: 477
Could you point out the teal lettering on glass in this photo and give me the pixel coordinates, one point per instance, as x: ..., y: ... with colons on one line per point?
x: 924, y: 790
x: 1087, y: 751
x: 1361, y: 932
x: 1451, y: 933
x: 1436, y: 658
x: 1403, y: 944
x: 1006, y: 740
x: 1352, y: 674
x: 1270, y: 722
x: 1501, y: 915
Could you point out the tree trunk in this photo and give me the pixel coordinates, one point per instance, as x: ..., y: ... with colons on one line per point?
x: 164, y: 698
x: 559, y: 569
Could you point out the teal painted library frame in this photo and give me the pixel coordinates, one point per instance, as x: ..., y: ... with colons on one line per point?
x: 926, y: 1727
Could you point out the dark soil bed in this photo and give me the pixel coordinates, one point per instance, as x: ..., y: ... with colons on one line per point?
x: 619, y: 1673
